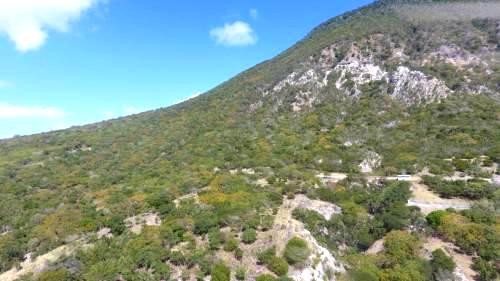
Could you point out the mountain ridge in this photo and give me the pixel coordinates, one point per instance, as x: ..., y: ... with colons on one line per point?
x: 213, y: 181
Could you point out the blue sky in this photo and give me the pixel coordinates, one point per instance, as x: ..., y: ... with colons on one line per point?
x: 74, y: 62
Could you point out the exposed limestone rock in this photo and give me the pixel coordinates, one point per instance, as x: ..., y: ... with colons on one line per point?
x: 248, y: 171
x: 104, y: 233
x: 372, y: 161
x: 327, y: 210
x: 359, y: 72
x: 376, y: 248
x: 414, y: 87
x: 136, y: 223
x: 357, y: 69
x: 454, y: 55
x: 321, y: 265
x: 496, y: 180
x: 40, y: 263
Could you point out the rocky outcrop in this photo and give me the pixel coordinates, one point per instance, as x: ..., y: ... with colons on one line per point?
x: 454, y: 55
x: 371, y: 162
x: 353, y: 74
x: 321, y: 265
x: 349, y: 75
x: 327, y: 210
x: 136, y: 223
x: 414, y: 87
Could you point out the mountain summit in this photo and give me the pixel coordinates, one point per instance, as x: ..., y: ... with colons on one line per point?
x: 242, y: 180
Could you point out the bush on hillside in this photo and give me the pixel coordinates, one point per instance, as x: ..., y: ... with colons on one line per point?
x: 296, y: 251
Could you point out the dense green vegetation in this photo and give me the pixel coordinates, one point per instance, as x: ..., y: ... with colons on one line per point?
x: 472, y: 189
x: 400, y: 260
x: 275, y: 264
x: 368, y: 213
x: 64, y: 186
x: 476, y: 232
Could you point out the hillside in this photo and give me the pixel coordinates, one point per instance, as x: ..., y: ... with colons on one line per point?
x: 396, y: 87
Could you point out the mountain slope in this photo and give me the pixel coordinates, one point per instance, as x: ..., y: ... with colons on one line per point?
x: 391, y: 81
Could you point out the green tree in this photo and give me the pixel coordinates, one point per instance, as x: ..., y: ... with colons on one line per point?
x: 400, y: 246
x: 434, y: 218
x: 486, y: 270
x: 442, y: 265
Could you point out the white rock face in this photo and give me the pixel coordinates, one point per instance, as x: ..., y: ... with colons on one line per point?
x: 326, y: 265
x: 136, y: 223
x: 495, y: 179
x: 410, y: 86
x: 309, y: 77
x: 104, y: 233
x: 371, y: 162
x: 326, y: 209
x: 248, y: 171
x: 414, y: 87
x: 359, y: 72
x: 321, y: 265
x: 454, y: 55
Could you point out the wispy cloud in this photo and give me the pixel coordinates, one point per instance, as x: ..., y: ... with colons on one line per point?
x: 254, y: 14
x: 130, y: 110
x: 9, y: 111
x: 126, y: 110
x: 188, y: 98
x: 234, y: 34
x: 5, y: 84
x: 26, y: 22
x: 108, y: 114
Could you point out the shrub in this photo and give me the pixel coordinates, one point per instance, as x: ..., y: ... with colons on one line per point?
x: 434, y: 218
x: 240, y: 273
x: 296, y: 251
x: 363, y: 275
x: 284, y: 278
x: 231, y: 245
x: 177, y: 258
x: 214, y: 239
x: 204, y: 223
x: 486, y: 270
x: 220, y: 272
x: 278, y: 265
x: 54, y: 275
x: 249, y: 236
x: 238, y: 254
x: 116, y: 224
x: 265, y: 277
x: 267, y: 222
x: 400, y: 246
x: 441, y: 262
x: 265, y: 256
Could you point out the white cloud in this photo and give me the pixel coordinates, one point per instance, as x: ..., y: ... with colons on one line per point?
x: 131, y: 110
x: 188, y: 98
x: 26, y: 22
x: 254, y: 14
x: 8, y: 111
x: 5, y: 84
x: 234, y: 34
x: 109, y: 114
